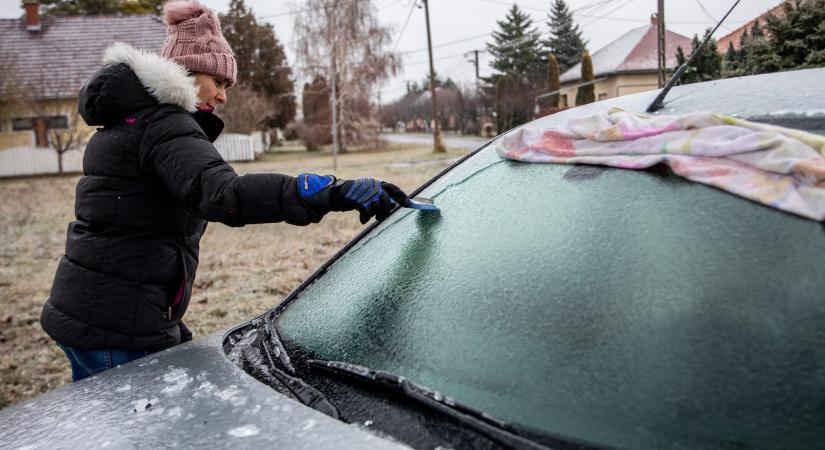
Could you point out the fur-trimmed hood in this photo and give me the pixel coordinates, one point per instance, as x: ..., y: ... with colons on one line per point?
x: 133, y: 79
x: 165, y: 79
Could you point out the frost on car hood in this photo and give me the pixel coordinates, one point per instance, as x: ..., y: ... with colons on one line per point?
x: 190, y: 396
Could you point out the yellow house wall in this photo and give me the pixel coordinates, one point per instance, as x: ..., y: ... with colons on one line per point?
x: 615, y: 86
x: 9, y: 138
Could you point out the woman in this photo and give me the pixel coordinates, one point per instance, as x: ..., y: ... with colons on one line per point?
x: 152, y: 180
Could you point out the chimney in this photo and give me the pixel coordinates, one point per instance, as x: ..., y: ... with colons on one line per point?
x: 654, y: 19
x: 32, y: 15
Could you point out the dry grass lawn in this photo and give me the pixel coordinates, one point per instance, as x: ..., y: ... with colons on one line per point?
x: 243, y: 271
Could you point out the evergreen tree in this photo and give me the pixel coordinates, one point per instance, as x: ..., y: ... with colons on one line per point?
x: 730, y: 66
x: 507, y: 90
x: 742, y: 55
x: 317, y: 114
x: 680, y: 57
x: 793, y: 40
x: 761, y: 57
x: 797, y: 37
x: 586, y: 94
x: 261, y: 62
x: 565, y: 37
x: 516, y: 47
x: 707, y: 65
x: 756, y: 30
x: 731, y: 55
x: 316, y: 105
x: 100, y: 7
x: 516, y: 50
x: 413, y: 88
x: 553, y: 80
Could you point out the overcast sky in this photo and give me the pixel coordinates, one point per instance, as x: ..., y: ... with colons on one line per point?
x: 471, y: 21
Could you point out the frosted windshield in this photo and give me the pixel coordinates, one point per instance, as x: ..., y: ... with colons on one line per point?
x: 622, y: 308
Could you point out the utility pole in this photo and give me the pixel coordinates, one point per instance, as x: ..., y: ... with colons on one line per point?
x: 475, y: 62
x: 380, y: 123
x: 660, y: 27
x: 334, y: 78
x: 438, y: 145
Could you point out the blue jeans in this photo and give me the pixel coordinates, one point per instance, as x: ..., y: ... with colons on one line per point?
x: 86, y: 363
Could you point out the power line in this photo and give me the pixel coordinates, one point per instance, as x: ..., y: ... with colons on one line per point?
x: 622, y: 5
x: 393, y: 89
x: 511, y: 44
x: 404, y: 28
x: 424, y: 49
x: 592, y: 5
x: 435, y: 59
x: 299, y: 11
x: 606, y: 16
x: 710, y: 16
x: 515, y: 4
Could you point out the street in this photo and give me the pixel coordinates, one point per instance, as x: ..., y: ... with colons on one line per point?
x: 452, y: 141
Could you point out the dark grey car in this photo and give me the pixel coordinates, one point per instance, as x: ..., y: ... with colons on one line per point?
x: 546, y: 306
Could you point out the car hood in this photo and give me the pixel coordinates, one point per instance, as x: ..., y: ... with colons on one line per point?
x: 187, y: 396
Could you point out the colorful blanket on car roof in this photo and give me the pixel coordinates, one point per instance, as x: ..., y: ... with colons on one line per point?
x: 775, y: 166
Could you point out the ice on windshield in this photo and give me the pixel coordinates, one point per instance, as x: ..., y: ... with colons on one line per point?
x: 627, y: 308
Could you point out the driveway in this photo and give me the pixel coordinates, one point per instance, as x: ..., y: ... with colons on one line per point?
x: 452, y: 141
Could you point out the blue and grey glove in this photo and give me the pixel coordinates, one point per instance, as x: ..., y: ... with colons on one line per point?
x: 369, y: 196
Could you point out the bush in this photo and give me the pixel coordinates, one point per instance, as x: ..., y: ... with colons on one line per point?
x: 294, y: 131
x: 317, y: 135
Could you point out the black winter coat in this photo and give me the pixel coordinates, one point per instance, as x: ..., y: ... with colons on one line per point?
x: 151, y: 181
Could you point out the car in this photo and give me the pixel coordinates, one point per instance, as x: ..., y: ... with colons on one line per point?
x: 545, y: 306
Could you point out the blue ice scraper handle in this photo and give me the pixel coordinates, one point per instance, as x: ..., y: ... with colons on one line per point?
x: 422, y: 203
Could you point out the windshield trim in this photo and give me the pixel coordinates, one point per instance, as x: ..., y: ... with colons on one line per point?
x: 495, y: 429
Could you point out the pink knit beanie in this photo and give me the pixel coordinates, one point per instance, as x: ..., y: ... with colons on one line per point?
x: 194, y: 40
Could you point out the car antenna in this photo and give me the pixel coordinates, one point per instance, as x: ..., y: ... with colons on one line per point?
x: 658, y: 102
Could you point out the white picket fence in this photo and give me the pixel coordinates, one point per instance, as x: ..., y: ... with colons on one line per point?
x: 236, y: 147
x: 20, y: 161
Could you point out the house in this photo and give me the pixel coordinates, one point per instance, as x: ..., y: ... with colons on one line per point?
x: 46, y: 60
x: 625, y: 66
x: 735, y: 36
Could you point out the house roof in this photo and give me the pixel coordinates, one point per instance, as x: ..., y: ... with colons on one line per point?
x: 735, y: 36
x: 57, y: 60
x: 634, y: 51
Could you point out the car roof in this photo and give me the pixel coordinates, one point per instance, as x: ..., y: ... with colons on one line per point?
x: 798, y: 93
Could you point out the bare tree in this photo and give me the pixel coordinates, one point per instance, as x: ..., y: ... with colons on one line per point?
x: 343, y: 39
x: 53, y: 116
x: 246, y: 111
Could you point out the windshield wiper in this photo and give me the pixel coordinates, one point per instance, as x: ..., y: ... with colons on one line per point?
x: 495, y: 429
x: 253, y: 353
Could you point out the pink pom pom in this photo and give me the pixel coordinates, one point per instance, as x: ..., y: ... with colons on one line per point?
x: 176, y: 12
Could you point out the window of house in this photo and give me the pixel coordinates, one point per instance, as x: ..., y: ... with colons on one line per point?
x: 602, y: 96
x: 57, y: 122
x: 22, y: 124
x: 40, y: 126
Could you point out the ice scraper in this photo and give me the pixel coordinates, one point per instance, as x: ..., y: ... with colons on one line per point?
x: 423, y: 203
